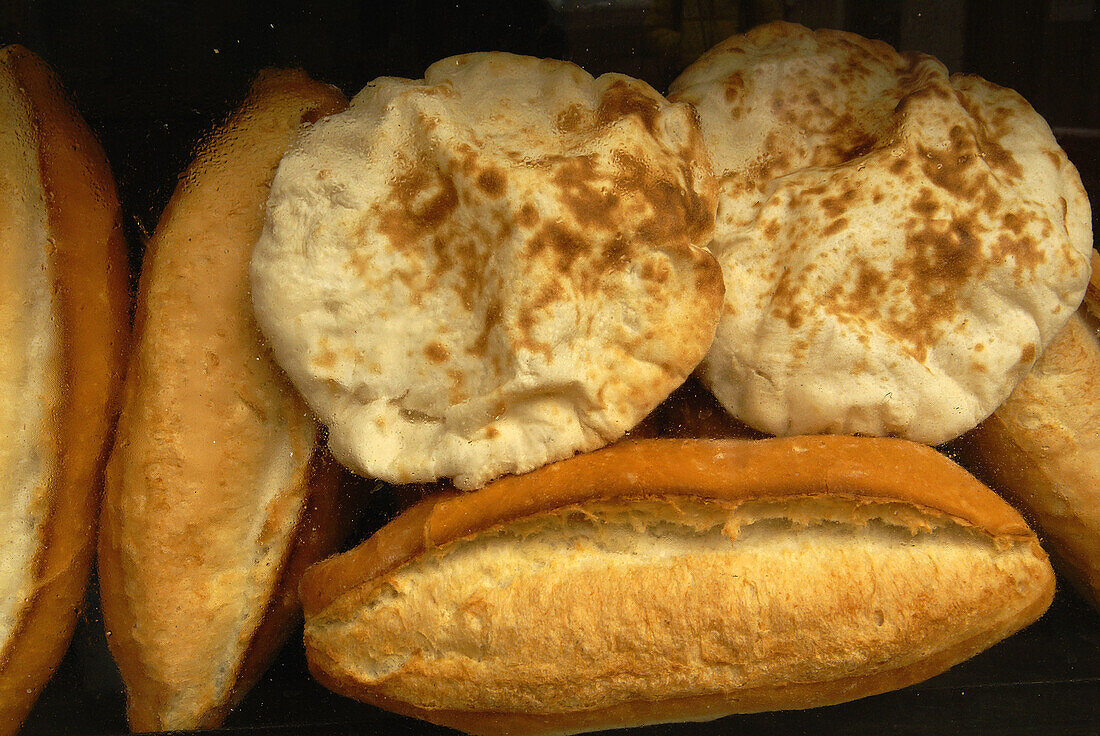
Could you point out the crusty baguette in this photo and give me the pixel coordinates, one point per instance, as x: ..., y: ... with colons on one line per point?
x: 216, y: 489
x: 64, y: 320
x: 1041, y: 448
x: 665, y: 580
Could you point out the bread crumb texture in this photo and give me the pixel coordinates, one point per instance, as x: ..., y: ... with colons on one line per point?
x: 898, y: 245
x: 593, y: 606
x: 490, y: 268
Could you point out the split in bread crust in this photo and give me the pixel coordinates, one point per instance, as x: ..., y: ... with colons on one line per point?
x: 64, y: 317
x: 676, y: 580
x: 216, y: 487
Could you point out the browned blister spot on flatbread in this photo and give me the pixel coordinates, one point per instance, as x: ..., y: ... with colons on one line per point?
x: 527, y: 216
x: 1027, y: 355
x: 584, y: 191
x: 420, y: 200
x: 436, y: 352
x: 325, y: 358
x: 572, y: 119
x: 955, y: 168
x: 562, y: 245
x: 834, y: 227
x: 491, y: 181
x: 623, y: 99
x: 771, y: 229
x: 479, y: 346
x: 735, y: 86
x: 675, y: 214
x: 994, y: 123
x: 524, y: 334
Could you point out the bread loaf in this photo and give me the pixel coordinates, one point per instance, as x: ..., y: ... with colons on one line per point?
x: 64, y: 319
x: 218, y: 494
x: 1041, y: 448
x: 664, y: 580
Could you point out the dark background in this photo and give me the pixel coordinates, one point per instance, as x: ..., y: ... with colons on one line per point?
x: 152, y: 77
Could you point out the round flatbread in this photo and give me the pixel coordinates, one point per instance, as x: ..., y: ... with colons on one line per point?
x: 898, y: 245
x: 491, y: 268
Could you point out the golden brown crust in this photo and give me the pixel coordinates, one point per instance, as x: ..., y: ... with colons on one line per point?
x: 212, y: 461
x: 702, y: 708
x: 89, y: 263
x: 731, y: 470
x: 325, y: 523
x: 785, y: 473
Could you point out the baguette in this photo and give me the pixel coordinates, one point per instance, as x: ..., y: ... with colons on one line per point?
x: 218, y: 494
x: 664, y: 580
x: 64, y: 318
x: 1041, y: 448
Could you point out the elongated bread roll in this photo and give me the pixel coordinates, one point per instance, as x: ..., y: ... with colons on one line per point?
x: 64, y: 314
x: 1041, y: 448
x: 666, y: 580
x: 218, y: 495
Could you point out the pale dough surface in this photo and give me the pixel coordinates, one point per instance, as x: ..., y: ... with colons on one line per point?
x: 491, y: 268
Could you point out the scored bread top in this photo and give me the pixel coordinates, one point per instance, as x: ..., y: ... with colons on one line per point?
x: 667, y: 580
x: 898, y: 245
x: 491, y: 268
x: 859, y: 468
x: 30, y: 358
x: 210, y: 473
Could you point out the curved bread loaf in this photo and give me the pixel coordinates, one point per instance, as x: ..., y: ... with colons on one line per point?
x: 666, y: 580
x: 218, y: 495
x: 1041, y: 448
x: 64, y: 318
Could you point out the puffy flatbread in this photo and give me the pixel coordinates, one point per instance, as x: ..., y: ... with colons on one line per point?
x: 898, y: 245
x: 491, y: 268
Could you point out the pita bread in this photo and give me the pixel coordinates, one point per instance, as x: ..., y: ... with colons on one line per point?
x: 491, y: 268
x: 898, y: 245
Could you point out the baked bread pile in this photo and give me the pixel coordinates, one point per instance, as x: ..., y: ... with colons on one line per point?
x: 666, y: 369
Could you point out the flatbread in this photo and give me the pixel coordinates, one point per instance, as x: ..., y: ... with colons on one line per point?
x: 898, y: 245
x: 491, y: 268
